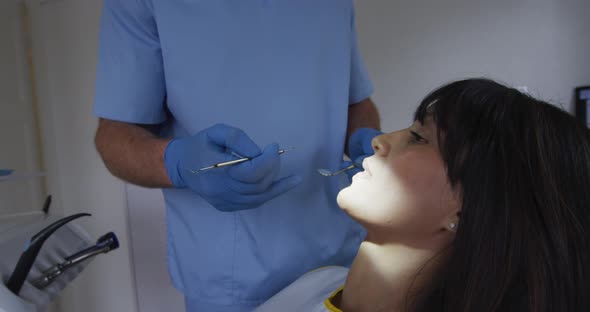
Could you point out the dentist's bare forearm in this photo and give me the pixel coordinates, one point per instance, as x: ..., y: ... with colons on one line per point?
x: 362, y: 115
x: 132, y: 153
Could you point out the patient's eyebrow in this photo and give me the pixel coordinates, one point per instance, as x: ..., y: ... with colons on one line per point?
x: 426, y: 129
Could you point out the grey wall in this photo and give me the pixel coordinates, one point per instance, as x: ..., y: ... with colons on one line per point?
x: 18, y: 133
x: 65, y: 48
x: 413, y: 46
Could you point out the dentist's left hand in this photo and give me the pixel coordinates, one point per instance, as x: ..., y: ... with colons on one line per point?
x: 239, y: 187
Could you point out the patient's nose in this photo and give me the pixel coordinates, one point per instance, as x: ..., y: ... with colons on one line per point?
x: 380, y: 145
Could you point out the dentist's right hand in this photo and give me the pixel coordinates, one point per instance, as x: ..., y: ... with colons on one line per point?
x: 239, y: 187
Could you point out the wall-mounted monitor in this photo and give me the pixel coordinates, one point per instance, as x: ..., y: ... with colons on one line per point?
x: 583, y: 104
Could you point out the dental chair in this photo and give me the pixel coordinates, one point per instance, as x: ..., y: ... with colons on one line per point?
x: 39, y: 259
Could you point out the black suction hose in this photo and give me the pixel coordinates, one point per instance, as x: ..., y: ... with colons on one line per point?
x: 27, y: 258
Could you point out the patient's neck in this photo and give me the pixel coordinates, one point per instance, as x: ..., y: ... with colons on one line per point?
x: 387, y: 276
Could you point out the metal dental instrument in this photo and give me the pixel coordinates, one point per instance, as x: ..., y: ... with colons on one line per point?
x: 328, y: 173
x: 232, y: 162
x: 104, y: 244
x: 27, y: 258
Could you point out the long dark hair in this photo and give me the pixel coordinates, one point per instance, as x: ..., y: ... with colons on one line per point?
x: 523, y: 168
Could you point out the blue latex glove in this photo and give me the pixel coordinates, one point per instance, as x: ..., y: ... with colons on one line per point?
x: 243, y: 186
x: 359, y: 148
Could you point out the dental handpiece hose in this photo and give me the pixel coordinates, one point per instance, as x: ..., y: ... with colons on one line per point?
x: 55, y: 271
x: 27, y: 258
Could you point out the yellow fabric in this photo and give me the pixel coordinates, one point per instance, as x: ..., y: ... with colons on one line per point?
x: 328, y: 302
x: 309, y: 292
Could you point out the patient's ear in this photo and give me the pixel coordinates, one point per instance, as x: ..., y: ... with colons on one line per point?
x: 452, y: 221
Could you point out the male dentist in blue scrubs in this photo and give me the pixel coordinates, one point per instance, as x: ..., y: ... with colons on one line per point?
x: 184, y: 84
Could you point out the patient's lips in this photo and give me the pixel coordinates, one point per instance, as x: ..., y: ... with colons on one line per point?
x: 363, y: 174
x: 366, y: 166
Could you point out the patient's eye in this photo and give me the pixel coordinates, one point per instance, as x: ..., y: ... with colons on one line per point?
x: 417, y: 138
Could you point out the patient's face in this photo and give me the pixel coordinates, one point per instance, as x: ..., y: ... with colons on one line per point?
x: 404, y: 191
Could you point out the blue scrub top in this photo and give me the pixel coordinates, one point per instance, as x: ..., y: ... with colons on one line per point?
x: 284, y: 71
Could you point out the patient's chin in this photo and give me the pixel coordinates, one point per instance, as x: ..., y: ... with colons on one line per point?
x: 348, y: 200
x: 343, y: 198
x: 339, y: 198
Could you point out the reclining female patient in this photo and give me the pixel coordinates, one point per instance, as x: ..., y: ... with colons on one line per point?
x: 482, y: 204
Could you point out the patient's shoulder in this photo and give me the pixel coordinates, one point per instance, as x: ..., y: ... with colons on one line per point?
x: 308, y: 292
x: 332, y: 270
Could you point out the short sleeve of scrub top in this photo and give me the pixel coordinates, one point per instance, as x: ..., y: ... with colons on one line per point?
x: 130, y: 83
x: 361, y: 87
